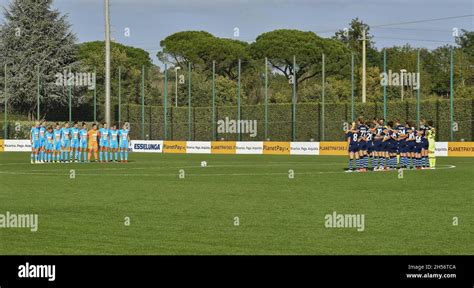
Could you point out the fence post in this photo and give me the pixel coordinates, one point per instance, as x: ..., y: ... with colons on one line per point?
x: 190, y: 129
x: 419, y: 87
x: 119, y: 96
x: 322, y: 97
x: 95, y: 95
x: 293, y: 120
x: 266, y: 98
x: 385, y: 86
x: 352, y: 86
x: 451, y: 95
x: 238, y: 99
x: 5, y: 123
x: 69, y: 90
x: 38, y: 94
x: 214, y: 100
x: 143, y: 102
x: 165, y: 104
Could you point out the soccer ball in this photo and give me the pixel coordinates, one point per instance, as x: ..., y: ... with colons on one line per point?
x: 203, y: 164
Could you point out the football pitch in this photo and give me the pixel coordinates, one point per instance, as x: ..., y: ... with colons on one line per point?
x: 238, y: 204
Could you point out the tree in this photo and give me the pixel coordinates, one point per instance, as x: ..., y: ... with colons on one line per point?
x: 130, y: 59
x: 201, y: 48
x: 34, y: 36
x: 352, y: 37
x: 279, y: 46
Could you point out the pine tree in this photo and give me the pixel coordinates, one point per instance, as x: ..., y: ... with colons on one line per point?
x: 35, y: 36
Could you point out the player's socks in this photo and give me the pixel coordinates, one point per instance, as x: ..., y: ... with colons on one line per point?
x: 121, y: 155
x: 100, y: 156
x: 116, y: 156
x: 32, y: 157
x: 126, y: 155
x: 110, y: 156
x: 432, y: 162
x: 350, y: 164
x: 85, y: 157
x: 49, y: 157
x: 106, y: 154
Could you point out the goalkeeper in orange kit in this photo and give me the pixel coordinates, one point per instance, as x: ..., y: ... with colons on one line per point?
x: 92, y: 136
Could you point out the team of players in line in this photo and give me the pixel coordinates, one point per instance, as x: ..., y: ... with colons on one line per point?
x: 381, y: 146
x: 73, y: 144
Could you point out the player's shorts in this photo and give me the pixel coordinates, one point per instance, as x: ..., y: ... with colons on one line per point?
x: 83, y: 144
x: 378, y: 146
x: 392, y: 146
x: 123, y: 144
x: 418, y: 147
x: 371, y: 146
x: 410, y: 147
x: 113, y: 145
x: 93, y: 146
x: 104, y: 144
x: 65, y: 144
x: 75, y: 144
x: 35, y: 145
x: 402, y: 146
x: 57, y: 146
x: 42, y: 143
x: 424, y: 143
x: 362, y: 146
x: 353, y: 147
x: 48, y: 146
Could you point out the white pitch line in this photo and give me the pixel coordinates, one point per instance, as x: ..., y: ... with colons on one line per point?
x: 211, y: 174
x: 170, y: 167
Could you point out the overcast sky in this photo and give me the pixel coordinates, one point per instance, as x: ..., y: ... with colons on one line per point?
x: 152, y: 20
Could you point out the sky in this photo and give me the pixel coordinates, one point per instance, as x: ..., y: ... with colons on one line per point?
x: 150, y: 21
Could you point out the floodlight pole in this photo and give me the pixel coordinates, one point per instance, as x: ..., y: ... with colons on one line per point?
x: 107, y: 62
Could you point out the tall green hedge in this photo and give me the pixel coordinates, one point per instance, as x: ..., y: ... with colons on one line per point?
x: 308, y: 120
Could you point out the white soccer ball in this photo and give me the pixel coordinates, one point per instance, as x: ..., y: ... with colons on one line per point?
x: 203, y: 164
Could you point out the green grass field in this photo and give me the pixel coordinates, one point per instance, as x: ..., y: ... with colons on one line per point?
x: 195, y: 215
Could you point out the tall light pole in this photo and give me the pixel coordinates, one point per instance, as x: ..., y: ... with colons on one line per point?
x: 364, y: 82
x: 107, y: 62
x: 176, y: 86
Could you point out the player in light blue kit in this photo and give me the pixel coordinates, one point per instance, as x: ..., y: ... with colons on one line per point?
x: 49, y: 143
x: 124, y: 139
x: 35, y: 142
x: 42, y: 137
x: 114, y: 144
x: 57, y: 142
x: 104, y: 134
x: 65, y: 142
x: 74, y: 142
x: 83, y: 142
